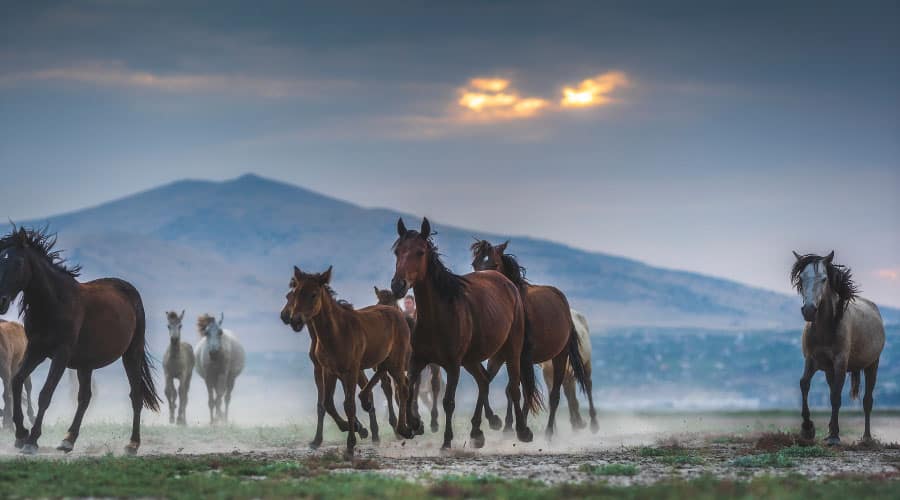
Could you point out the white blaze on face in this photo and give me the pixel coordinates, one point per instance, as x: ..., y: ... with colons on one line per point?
x: 214, y: 336
x: 174, y: 329
x: 813, y: 279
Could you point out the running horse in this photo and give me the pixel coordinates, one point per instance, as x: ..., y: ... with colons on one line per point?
x: 843, y: 333
x: 462, y: 321
x: 548, y: 319
x: 84, y: 326
x: 349, y: 341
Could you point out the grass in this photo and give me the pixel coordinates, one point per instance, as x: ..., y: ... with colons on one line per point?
x: 673, y: 454
x: 609, y: 469
x: 781, y: 458
x: 226, y: 476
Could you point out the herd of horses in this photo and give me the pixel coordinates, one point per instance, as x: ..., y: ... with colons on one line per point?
x: 480, y: 322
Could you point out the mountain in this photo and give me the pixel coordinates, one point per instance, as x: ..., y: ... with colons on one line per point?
x: 229, y: 246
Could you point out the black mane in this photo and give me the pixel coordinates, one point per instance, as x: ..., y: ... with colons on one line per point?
x: 840, y: 279
x: 448, y: 285
x: 42, y: 242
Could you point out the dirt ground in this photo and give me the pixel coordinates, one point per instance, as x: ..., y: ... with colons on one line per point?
x: 628, y: 449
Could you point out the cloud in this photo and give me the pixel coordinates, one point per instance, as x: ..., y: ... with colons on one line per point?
x: 888, y: 274
x: 491, y: 99
x: 119, y: 75
x: 593, y: 91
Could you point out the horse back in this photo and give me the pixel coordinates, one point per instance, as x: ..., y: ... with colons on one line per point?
x: 386, y: 332
x: 111, y: 313
x: 864, y: 327
x: 12, y: 344
x: 548, y: 313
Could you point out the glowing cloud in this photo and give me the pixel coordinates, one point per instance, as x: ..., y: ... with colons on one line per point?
x: 490, y: 99
x: 888, y: 274
x: 593, y: 91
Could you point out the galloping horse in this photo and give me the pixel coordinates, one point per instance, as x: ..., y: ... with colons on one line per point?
x: 178, y: 364
x: 462, y: 321
x: 429, y: 394
x: 78, y: 325
x: 220, y: 359
x: 843, y: 333
x: 349, y: 341
x: 547, y: 317
x: 12, y: 351
x: 568, y: 385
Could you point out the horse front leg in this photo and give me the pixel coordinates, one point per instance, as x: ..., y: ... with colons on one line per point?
x: 29, y: 363
x: 211, y: 400
x: 416, y: 366
x: 836, y: 377
x: 449, y: 403
x: 171, y: 395
x: 348, y: 381
x: 807, y: 428
x: 84, y: 399
x: 57, y: 369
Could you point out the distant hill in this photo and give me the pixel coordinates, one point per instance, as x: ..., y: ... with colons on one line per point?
x: 229, y: 246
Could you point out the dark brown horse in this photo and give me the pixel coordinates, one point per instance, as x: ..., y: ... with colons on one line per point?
x: 428, y: 394
x: 462, y: 321
x: 348, y: 341
x: 843, y: 333
x: 548, y: 319
x: 84, y: 326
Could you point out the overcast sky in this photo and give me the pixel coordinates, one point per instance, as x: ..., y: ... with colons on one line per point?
x: 699, y: 136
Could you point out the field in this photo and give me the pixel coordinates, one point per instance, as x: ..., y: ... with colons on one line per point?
x: 638, y: 455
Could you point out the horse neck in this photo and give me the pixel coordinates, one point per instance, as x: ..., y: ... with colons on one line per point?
x: 47, y: 288
x: 429, y: 305
x: 326, y: 323
x: 825, y: 323
x: 175, y: 343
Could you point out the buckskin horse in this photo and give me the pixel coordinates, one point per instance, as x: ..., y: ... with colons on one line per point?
x: 462, y: 321
x: 84, y: 326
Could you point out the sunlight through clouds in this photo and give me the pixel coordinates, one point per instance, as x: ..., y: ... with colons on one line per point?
x: 593, y: 91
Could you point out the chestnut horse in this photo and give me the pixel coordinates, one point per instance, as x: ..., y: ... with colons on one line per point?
x: 462, y: 321
x: 12, y: 351
x: 843, y: 333
x: 348, y: 341
x: 428, y: 394
x: 84, y: 326
x: 548, y: 319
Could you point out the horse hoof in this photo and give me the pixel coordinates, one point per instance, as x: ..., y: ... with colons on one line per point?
x: 66, y: 446
x: 20, y: 442
x: 435, y: 427
x: 348, y: 454
x: 595, y: 427
x: 404, y: 432
x: 419, y: 429
x: 314, y: 445
x: 833, y: 441
x: 29, y: 449
x: 495, y: 422
x: 445, y: 448
x: 548, y: 435
x: 132, y: 448
x: 363, y: 433
x: 375, y: 439
x: 508, y: 430
x: 477, y: 439
x: 808, y: 432
x: 525, y: 435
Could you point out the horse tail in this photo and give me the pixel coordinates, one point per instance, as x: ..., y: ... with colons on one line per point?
x: 575, y: 360
x: 151, y: 398
x: 531, y: 394
x: 854, y: 384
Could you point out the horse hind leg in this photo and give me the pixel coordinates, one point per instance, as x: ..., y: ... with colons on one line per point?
x: 568, y: 387
x: 559, y: 370
x: 28, y: 399
x: 476, y: 436
x: 84, y: 399
x: 388, y: 390
x: 435, y: 394
x: 368, y: 402
x: 493, y: 420
x: 871, y: 374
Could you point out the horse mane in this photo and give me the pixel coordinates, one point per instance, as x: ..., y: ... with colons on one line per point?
x: 449, y: 286
x: 511, y: 267
x: 840, y: 279
x: 42, y: 242
x: 341, y: 302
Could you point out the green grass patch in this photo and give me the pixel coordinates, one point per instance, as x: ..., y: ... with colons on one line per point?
x: 776, y: 460
x: 672, y: 455
x: 609, y: 469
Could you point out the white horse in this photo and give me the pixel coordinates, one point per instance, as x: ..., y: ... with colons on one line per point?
x: 584, y: 348
x: 843, y: 333
x: 219, y: 360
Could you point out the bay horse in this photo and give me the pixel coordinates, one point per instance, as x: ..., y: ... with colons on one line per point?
x: 568, y: 385
x: 178, y: 364
x: 843, y: 333
x: 219, y: 360
x: 84, y: 326
x: 462, y: 321
x: 548, y: 319
x: 430, y: 392
x: 12, y: 351
x: 349, y: 341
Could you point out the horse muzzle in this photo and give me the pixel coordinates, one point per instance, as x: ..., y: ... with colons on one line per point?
x: 296, y: 323
x: 5, y: 301
x: 809, y: 312
x: 399, y: 287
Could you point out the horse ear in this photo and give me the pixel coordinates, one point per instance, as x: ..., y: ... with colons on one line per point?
x: 796, y: 255
x: 23, y: 237
x: 182, y: 315
x: 297, y: 272
x: 325, y: 278
x: 829, y: 257
x: 425, y: 232
x: 221, y: 318
x: 401, y: 227
x: 502, y: 246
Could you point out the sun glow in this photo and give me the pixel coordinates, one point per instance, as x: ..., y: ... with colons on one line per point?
x: 494, y: 99
x: 593, y: 91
